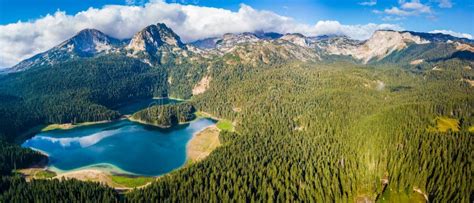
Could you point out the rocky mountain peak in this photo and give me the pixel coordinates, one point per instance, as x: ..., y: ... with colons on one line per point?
x: 229, y: 40
x: 91, y: 33
x: 88, y: 42
x: 397, y: 37
x: 383, y: 43
x: 158, y: 44
x: 296, y: 38
x: 152, y: 37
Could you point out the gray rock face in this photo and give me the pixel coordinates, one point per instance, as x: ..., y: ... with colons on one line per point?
x: 157, y: 44
x: 86, y: 43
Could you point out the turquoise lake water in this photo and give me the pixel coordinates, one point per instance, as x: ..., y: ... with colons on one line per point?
x: 129, y: 147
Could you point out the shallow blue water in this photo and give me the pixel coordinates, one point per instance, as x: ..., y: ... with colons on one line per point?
x: 135, y: 148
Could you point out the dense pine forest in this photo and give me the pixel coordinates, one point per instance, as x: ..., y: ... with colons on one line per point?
x: 333, y: 132
x: 16, y: 189
x: 166, y: 115
x: 86, y: 90
x: 320, y: 132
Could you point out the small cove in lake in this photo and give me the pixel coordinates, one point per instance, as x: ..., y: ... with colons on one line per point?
x: 120, y: 146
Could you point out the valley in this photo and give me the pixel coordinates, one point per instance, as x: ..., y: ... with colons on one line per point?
x: 261, y: 117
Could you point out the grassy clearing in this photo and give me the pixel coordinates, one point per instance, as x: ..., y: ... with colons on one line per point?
x: 36, y: 173
x: 225, y: 125
x: 67, y: 126
x: 471, y: 129
x: 392, y: 196
x: 443, y: 124
x: 55, y: 127
x: 45, y: 174
x: 131, y: 182
x: 222, y: 124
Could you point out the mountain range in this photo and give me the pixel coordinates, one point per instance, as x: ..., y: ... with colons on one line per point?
x: 158, y: 44
x: 300, y: 118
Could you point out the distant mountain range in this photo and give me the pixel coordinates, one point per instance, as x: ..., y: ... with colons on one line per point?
x: 158, y: 44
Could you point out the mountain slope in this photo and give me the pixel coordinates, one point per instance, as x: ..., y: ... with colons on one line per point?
x: 304, y: 131
x: 389, y: 46
x: 159, y: 44
x: 86, y: 43
x: 156, y: 44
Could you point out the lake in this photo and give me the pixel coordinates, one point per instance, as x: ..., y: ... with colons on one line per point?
x: 120, y: 146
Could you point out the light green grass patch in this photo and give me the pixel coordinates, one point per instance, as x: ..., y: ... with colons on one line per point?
x: 225, y: 125
x: 45, y: 174
x: 131, y: 182
x: 393, y: 196
x: 67, y: 126
x: 36, y: 173
x: 52, y: 127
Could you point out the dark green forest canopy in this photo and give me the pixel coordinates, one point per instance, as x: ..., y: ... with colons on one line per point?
x: 304, y: 131
x: 331, y: 132
x: 16, y: 189
x: 166, y: 115
x: 85, y: 90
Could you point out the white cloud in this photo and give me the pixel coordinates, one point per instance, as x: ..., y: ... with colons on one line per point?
x: 368, y: 3
x: 84, y: 142
x: 416, y: 6
x: 22, y: 40
x: 452, y: 33
x: 135, y: 2
x: 354, y: 31
x: 397, y: 11
x: 411, y: 8
x: 445, y: 3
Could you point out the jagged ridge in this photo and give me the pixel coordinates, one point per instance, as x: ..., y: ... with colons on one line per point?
x: 157, y: 44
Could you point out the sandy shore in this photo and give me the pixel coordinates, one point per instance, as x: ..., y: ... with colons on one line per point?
x: 88, y: 175
x: 198, y: 148
x: 202, y: 144
x: 66, y: 126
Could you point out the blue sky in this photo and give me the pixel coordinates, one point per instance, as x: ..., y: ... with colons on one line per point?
x: 29, y: 27
x: 459, y: 17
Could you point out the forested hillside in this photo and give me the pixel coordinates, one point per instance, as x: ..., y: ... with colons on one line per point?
x: 85, y: 90
x: 16, y: 189
x: 166, y: 115
x: 329, y: 129
x: 13, y: 157
x: 333, y: 132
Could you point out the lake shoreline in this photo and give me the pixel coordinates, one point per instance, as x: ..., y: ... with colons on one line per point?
x: 196, y: 150
x: 106, y: 173
x: 147, y: 123
x: 68, y: 126
x: 202, y: 144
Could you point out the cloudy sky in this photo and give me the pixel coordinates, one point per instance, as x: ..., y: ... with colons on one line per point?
x: 28, y: 27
